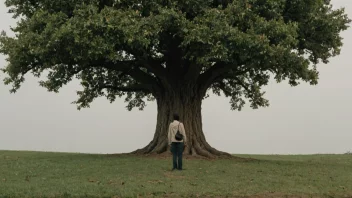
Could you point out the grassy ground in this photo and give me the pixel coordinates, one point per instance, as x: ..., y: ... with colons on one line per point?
x: 34, y: 174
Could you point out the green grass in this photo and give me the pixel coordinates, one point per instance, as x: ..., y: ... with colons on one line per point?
x: 35, y: 174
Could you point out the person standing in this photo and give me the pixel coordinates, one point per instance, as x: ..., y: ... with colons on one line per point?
x: 177, y: 141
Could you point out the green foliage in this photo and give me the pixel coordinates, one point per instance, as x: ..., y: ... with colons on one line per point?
x: 32, y: 174
x: 135, y: 48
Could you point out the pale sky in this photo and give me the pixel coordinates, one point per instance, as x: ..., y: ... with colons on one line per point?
x: 300, y: 120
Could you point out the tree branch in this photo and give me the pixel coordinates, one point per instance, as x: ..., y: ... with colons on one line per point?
x: 213, y: 72
x: 130, y: 67
x: 208, y: 77
x: 222, y: 86
x: 132, y: 88
x: 154, y: 66
x: 116, y: 66
x: 242, y: 84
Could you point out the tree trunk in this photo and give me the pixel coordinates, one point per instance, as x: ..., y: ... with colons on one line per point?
x: 188, y: 105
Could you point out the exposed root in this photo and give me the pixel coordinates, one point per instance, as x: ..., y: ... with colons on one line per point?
x: 203, y: 152
x: 146, y: 149
x: 216, y: 152
x: 196, y: 151
x: 161, y: 148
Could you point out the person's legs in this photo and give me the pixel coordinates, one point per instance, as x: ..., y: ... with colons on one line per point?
x: 174, y: 155
x: 179, y: 155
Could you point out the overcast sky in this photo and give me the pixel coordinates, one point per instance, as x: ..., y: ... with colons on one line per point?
x: 301, y: 120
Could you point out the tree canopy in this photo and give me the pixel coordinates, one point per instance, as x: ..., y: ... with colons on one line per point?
x: 143, y: 48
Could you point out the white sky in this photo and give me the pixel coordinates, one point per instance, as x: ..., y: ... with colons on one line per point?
x: 301, y: 120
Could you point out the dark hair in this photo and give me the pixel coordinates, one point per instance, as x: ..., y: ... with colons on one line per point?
x: 176, y: 117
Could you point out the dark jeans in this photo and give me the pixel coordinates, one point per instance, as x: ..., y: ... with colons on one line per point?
x: 177, y: 151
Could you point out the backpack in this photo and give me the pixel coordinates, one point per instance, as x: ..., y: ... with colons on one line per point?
x: 178, y: 135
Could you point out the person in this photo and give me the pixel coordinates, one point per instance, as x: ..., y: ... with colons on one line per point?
x: 176, y: 146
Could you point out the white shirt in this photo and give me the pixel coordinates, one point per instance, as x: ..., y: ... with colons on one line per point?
x: 173, y: 127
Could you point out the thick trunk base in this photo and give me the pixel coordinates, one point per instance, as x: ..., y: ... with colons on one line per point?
x: 189, y: 151
x: 189, y: 109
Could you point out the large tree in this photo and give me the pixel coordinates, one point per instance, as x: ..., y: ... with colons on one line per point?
x: 171, y: 51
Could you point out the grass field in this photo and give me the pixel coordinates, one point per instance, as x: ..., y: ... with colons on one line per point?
x: 35, y: 174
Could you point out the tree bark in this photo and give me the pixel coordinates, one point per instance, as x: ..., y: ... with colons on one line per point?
x: 187, y: 103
